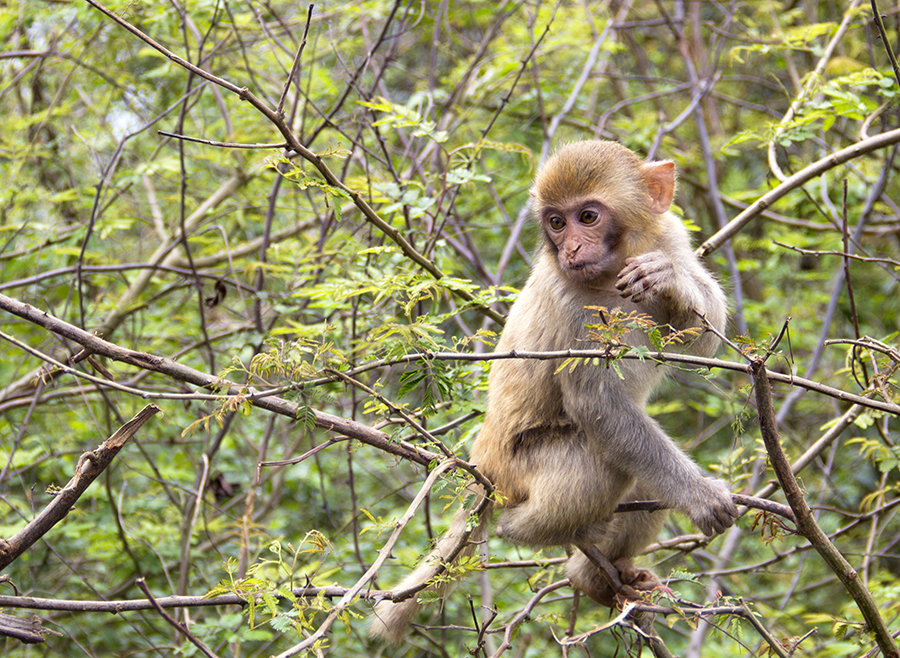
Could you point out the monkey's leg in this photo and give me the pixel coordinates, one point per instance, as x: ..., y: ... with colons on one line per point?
x: 632, y: 579
x: 620, y: 538
x: 570, y: 486
x: 604, y: 582
x: 594, y: 580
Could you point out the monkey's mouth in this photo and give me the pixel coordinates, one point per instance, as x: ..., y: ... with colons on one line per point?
x: 589, y: 266
x: 584, y: 269
x: 578, y: 265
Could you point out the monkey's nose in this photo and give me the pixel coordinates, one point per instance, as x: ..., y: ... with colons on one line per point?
x: 572, y: 252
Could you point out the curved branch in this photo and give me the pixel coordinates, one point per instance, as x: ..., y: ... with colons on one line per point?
x: 807, y: 173
x: 812, y: 79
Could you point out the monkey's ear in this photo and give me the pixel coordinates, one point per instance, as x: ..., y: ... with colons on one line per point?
x: 660, y: 178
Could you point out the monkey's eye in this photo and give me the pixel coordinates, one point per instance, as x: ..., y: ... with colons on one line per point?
x: 556, y: 222
x: 588, y: 216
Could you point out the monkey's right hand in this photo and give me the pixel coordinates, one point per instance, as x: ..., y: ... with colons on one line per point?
x: 712, y: 510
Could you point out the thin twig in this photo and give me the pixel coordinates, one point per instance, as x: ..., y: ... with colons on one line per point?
x: 181, y: 628
x: 418, y: 427
x: 812, y: 80
x: 774, y: 644
x: 383, y: 555
x: 524, y: 614
x: 879, y: 23
x: 278, y: 121
x: 295, y: 67
x: 130, y: 605
x: 662, y: 357
x: 227, y: 145
x: 842, y: 254
x: 268, y: 400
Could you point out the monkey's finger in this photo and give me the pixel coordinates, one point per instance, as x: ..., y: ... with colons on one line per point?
x: 631, y: 265
x: 628, y: 593
x: 714, y: 522
x: 725, y: 518
x: 629, y: 278
x: 637, y: 289
x: 724, y: 523
x: 625, y: 288
x: 634, y: 295
x: 639, y: 278
x: 633, y: 270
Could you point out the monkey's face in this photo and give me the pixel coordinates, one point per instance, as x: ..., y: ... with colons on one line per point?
x: 584, y: 236
x: 598, y: 204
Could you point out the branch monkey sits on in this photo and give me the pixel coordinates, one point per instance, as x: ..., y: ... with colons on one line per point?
x: 565, y: 447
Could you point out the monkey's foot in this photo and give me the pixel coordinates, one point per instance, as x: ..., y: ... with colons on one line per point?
x: 638, y: 580
x: 587, y: 577
x: 636, y: 577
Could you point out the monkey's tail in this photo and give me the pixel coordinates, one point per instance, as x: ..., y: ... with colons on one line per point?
x: 389, y: 620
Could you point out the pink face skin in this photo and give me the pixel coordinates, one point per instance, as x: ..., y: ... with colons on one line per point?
x: 584, y: 235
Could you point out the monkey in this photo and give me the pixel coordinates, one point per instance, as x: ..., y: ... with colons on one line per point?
x: 564, y: 446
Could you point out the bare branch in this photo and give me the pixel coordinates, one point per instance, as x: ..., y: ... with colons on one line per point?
x: 383, y: 555
x: 90, y: 465
x: 806, y: 522
x: 313, y: 158
x: 172, y: 622
x: 793, y: 182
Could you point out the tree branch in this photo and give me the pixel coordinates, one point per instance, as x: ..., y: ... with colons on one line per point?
x: 181, y: 628
x: 90, y: 465
x: 278, y: 120
x: 184, y: 373
x: 806, y: 523
x: 804, y: 175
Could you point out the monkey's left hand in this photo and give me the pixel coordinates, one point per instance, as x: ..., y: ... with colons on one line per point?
x: 646, y: 276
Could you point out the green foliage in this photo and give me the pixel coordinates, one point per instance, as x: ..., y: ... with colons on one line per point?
x: 397, y: 117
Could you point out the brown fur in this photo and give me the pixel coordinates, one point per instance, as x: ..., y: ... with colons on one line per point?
x: 565, y: 446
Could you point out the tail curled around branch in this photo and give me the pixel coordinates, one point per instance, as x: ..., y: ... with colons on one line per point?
x: 389, y: 620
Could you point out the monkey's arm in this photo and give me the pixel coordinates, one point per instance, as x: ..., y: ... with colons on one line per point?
x: 636, y: 445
